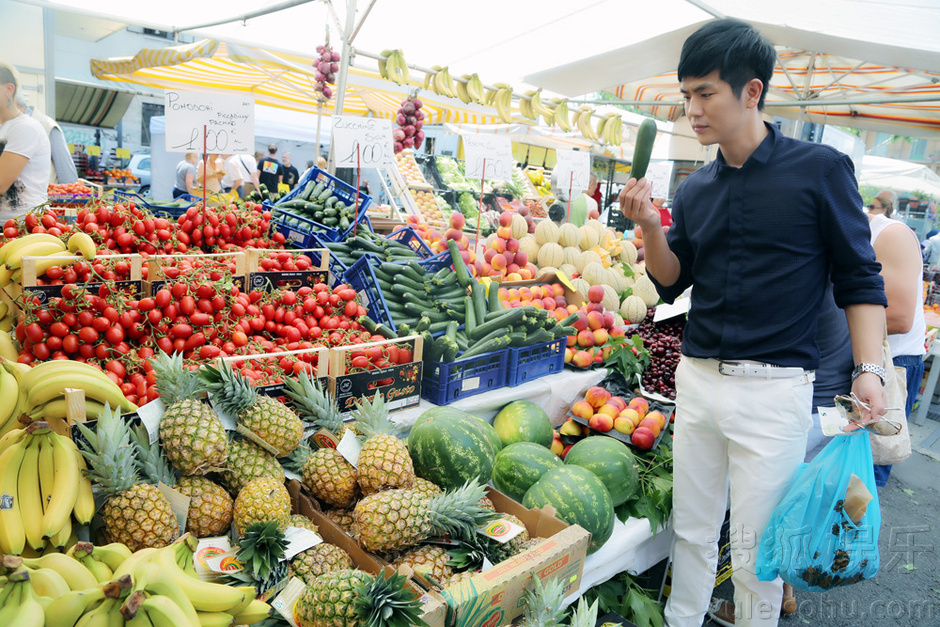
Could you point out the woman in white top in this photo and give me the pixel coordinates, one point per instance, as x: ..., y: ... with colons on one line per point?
x: 213, y: 175
x: 898, y: 250
x: 25, y: 155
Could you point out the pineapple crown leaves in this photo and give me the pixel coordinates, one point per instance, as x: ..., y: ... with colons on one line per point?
x: 175, y: 382
x: 296, y: 460
x: 544, y: 603
x: 372, y: 417
x: 151, y: 461
x: 458, y: 513
x: 469, y: 554
x: 584, y: 615
x: 229, y: 391
x: 313, y: 403
x: 261, y: 548
x: 109, y: 452
x: 385, y: 601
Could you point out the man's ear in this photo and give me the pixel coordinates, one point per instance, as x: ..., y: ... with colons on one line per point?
x: 752, y: 92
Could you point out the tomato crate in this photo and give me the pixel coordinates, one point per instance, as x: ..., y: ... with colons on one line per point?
x: 407, y: 236
x: 157, y: 265
x: 361, y: 278
x: 446, y: 382
x: 399, y: 384
x: 133, y: 285
x: 267, y: 280
x: 531, y: 362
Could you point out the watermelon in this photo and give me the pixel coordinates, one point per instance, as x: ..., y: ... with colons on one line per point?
x: 611, y: 461
x: 523, y: 421
x: 491, y: 434
x: 579, y: 498
x: 449, y: 447
x: 520, y: 465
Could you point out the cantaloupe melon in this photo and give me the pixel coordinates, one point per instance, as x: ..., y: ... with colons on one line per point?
x: 569, y: 235
x: 588, y: 257
x: 568, y: 269
x: 573, y: 257
x: 547, y: 270
x: 519, y: 226
x: 550, y: 255
x: 598, y: 226
x: 582, y: 286
x: 529, y: 246
x: 627, y: 252
x: 611, y: 300
x: 594, y: 273
x: 618, y: 319
x: 633, y: 309
x: 546, y: 231
x: 589, y: 238
x: 645, y: 289
x: 616, y: 279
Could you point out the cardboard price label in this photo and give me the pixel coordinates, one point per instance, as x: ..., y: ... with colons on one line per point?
x: 268, y: 281
x: 122, y: 153
x: 487, y: 156
x: 227, y: 122
x: 403, y: 391
x: 573, y: 169
x: 363, y: 142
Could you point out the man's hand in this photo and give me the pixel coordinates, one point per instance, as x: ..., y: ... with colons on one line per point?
x: 869, y: 389
x: 636, y: 205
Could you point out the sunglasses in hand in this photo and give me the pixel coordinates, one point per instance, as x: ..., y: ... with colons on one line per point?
x: 850, y: 407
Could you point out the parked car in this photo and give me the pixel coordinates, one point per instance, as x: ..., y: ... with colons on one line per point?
x: 140, y: 167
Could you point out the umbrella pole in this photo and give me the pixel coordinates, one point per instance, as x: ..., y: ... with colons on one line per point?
x: 343, y: 70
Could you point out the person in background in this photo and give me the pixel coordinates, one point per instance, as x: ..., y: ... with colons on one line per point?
x: 931, y: 248
x: 211, y: 176
x: 594, y: 191
x: 321, y: 162
x: 309, y: 167
x: 902, y: 266
x: 186, y: 176
x: 291, y: 175
x: 271, y: 173
x: 63, y: 167
x: 233, y: 175
x: 25, y: 154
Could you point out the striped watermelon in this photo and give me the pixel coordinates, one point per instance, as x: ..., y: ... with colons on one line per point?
x: 579, y: 498
x: 611, y: 461
x: 520, y: 465
x: 491, y: 434
x: 523, y: 421
x: 449, y: 447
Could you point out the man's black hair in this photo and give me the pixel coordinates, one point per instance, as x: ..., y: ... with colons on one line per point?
x: 736, y: 49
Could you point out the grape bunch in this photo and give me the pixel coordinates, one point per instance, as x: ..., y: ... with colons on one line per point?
x: 410, y: 119
x: 663, y: 340
x: 325, y: 68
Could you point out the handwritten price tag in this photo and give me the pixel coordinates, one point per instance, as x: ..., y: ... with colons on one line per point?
x: 229, y: 122
x: 659, y: 174
x: 573, y: 169
x: 495, y: 149
x: 363, y: 142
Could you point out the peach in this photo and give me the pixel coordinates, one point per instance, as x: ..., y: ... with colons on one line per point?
x: 512, y: 245
x: 454, y: 234
x: 652, y: 424
x: 478, y: 266
x: 511, y: 268
x: 632, y: 415
x: 595, y: 308
x: 504, y: 232
x: 559, y: 289
x: 489, y: 254
x: 643, y: 438
x: 582, y: 359
x: 585, y: 339
x: 561, y: 301
x: 609, y: 409
x: 464, y: 242
x: 617, y: 331
x: 599, y: 356
x: 538, y: 304
x: 624, y: 425
x: 600, y: 336
x: 601, y: 422
x: 498, y: 262
x: 532, y: 268
x: 525, y: 293
x: 595, y: 293
x: 565, y: 452
x: 457, y: 220
x: 595, y: 320
x: 571, y: 340
x: 522, y: 258
x: 570, y: 427
x: 637, y: 232
x: 573, y: 309
x: 498, y: 244
x: 523, y: 275
x: 619, y: 402
x: 505, y: 219
x: 597, y: 396
x: 514, y: 294
x: 569, y: 353
x: 557, y: 445
x: 659, y: 417
x: 549, y: 303
x: 536, y: 291
x: 639, y: 401
x: 583, y: 409
x: 581, y: 323
x: 608, y: 319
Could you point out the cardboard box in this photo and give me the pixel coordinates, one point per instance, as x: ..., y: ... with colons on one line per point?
x: 435, y: 611
x: 400, y: 385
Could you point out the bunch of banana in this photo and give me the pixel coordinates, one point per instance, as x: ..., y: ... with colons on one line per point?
x: 610, y: 129
x: 12, y: 400
x: 101, y: 561
x: 51, y: 249
x: 472, y: 87
x: 583, y: 121
x: 560, y: 114
x: 19, y: 603
x: 392, y: 67
x: 7, y: 318
x: 525, y: 106
x: 44, y: 388
x: 532, y: 107
x: 42, y: 470
x: 501, y: 98
x: 441, y: 82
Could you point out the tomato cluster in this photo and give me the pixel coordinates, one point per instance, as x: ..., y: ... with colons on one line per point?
x: 107, y: 266
x: 284, y: 261
x: 226, y: 228
x: 125, y: 228
x: 69, y: 189
x: 48, y: 220
x: 377, y: 357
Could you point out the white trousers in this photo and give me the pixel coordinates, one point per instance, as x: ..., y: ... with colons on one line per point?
x: 746, y: 432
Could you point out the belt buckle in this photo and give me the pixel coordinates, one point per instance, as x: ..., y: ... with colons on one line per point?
x: 721, y: 365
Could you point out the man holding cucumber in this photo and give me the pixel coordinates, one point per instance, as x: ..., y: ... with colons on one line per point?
x: 756, y: 234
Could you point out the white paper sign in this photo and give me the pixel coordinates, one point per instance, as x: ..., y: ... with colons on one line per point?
x: 228, y: 122
x: 363, y: 142
x: 659, y: 173
x: 572, y: 169
x: 492, y: 152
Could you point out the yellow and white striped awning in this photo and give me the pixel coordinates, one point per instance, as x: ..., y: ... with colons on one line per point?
x: 275, y: 79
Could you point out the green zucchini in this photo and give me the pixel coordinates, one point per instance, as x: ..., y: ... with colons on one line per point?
x: 492, y: 297
x: 423, y: 324
x: 437, y: 327
x: 470, y: 316
x: 385, y: 332
x: 645, y: 137
x: 486, y: 347
x: 463, y: 275
x: 512, y: 317
x: 479, y: 299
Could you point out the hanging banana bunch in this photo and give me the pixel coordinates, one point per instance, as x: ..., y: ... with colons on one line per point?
x: 392, y: 67
x: 583, y: 120
x: 560, y: 116
x: 475, y: 90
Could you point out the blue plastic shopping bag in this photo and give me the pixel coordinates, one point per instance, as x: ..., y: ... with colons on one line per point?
x: 811, y: 541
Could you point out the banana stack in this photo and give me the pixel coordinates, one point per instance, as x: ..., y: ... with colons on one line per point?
x: 501, y: 98
x: 153, y: 587
x: 531, y: 107
x: 54, y: 252
x: 560, y: 114
x: 583, y: 121
x: 392, y: 67
x: 610, y: 129
x: 470, y: 89
x: 12, y: 400
x: 441, y: 82
x: 43, y: 387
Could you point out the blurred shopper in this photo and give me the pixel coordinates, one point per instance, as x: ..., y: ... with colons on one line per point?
x: 232, y: 181
x: 186, y: 176
x: 271, y: 173
x: 63, y: 167
x: 210, y: 176
x: 290, y: 174
x: 25, y: 154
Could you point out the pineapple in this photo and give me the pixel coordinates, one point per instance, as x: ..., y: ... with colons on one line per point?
x: 428, y: 488
x: 247, y: 461
x: 191, y: 435
x: 584, y: 615
x: 313, y: 404
x: 135, y: 514
x: 262, y: 500
x: 353, y: 598
x: 261, y: 550
x: 427, y: 560
x: 319, y: 560
x: 266, y: 417
x: 301, y: 521
x: 384, y: 461
x: 342, y: 517
x: 544, y: 603
x: 331, y: 478
x: 395, y: 519
x: 456, y: 578
x: 210, y: 506
x: 486, y: 503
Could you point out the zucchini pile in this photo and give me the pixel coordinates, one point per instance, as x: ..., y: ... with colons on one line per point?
x: 319, y: 203
x: 365, y: 242
x: 262, y: 194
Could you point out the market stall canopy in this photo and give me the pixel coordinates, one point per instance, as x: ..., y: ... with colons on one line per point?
x: 898, y: 175
x: 275, y: 79
x: 76, y: 103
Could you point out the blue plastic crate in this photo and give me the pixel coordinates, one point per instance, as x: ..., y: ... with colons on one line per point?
x: 444, y: 383
x: 407, y: 236
x: 157, y: 210
x: 337, y: 267
x: 361, y: 278
x: 298, y: 230
x: 532, y: 362
x: 341, y: 189
x: 437, y: 262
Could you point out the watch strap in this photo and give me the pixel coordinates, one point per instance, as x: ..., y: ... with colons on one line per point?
x: 876, y: 369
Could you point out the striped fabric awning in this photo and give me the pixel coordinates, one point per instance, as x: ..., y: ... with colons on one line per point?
x: 275, y: 79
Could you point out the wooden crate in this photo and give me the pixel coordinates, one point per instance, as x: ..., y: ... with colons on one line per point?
x: 134, y: 284
x: 262, y: 279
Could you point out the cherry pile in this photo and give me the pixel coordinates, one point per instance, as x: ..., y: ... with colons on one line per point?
x: 663, y: 341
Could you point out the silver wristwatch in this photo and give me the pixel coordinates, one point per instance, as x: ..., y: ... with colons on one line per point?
x: 872, y: 368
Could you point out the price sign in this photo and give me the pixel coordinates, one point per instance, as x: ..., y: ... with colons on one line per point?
x: 573, y: 168
x: 659, y: 174
x: 93, y: 151
x: 122, y: 153
x: 495, y: 149
x: 363, y: 142
x: 229, y: 122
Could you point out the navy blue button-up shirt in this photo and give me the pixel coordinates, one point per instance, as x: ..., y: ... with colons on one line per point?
x: 758, y: 243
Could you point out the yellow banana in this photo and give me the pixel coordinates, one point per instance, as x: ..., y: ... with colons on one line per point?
x: 73, y: 571
x: 139, y: 558
x: 65, y: 488
x: 215, y: 619
x: 112, y: 554
x: 153, y: 579
x: 256, y: 612
x: 6, y: 324
x: 30, y: 612
x: 504, y: 104
x: 449, y: 83
x: 28, y: 493
x: 48, y: 583
x: 163, y: 612
x: 64, y: 537
x: 563, y: 122
x: 15, y: 368
x: 54, y: 387
x: 64, y: 611
x: 57, y: 408
x: 489, y: 98
x: 583, y: 121
x: 6, y: 275
x: 99, y: 570
x: 205, y: 596
x: 9, y: 395
x: 61, y: 259
x: 11, y: 604
x: 13, y: 437
x: 462, y: 91
x: 429, y: 79
x: 11, y: 247
x: 55, y: 367
x: 12, y: 532
x: 46, y: 471
x: 4, y: 308
x: 100, y: 615
x: 250, y: 593
x: 7, y: 347
x: 383, y: 68
x: 39, y: 249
